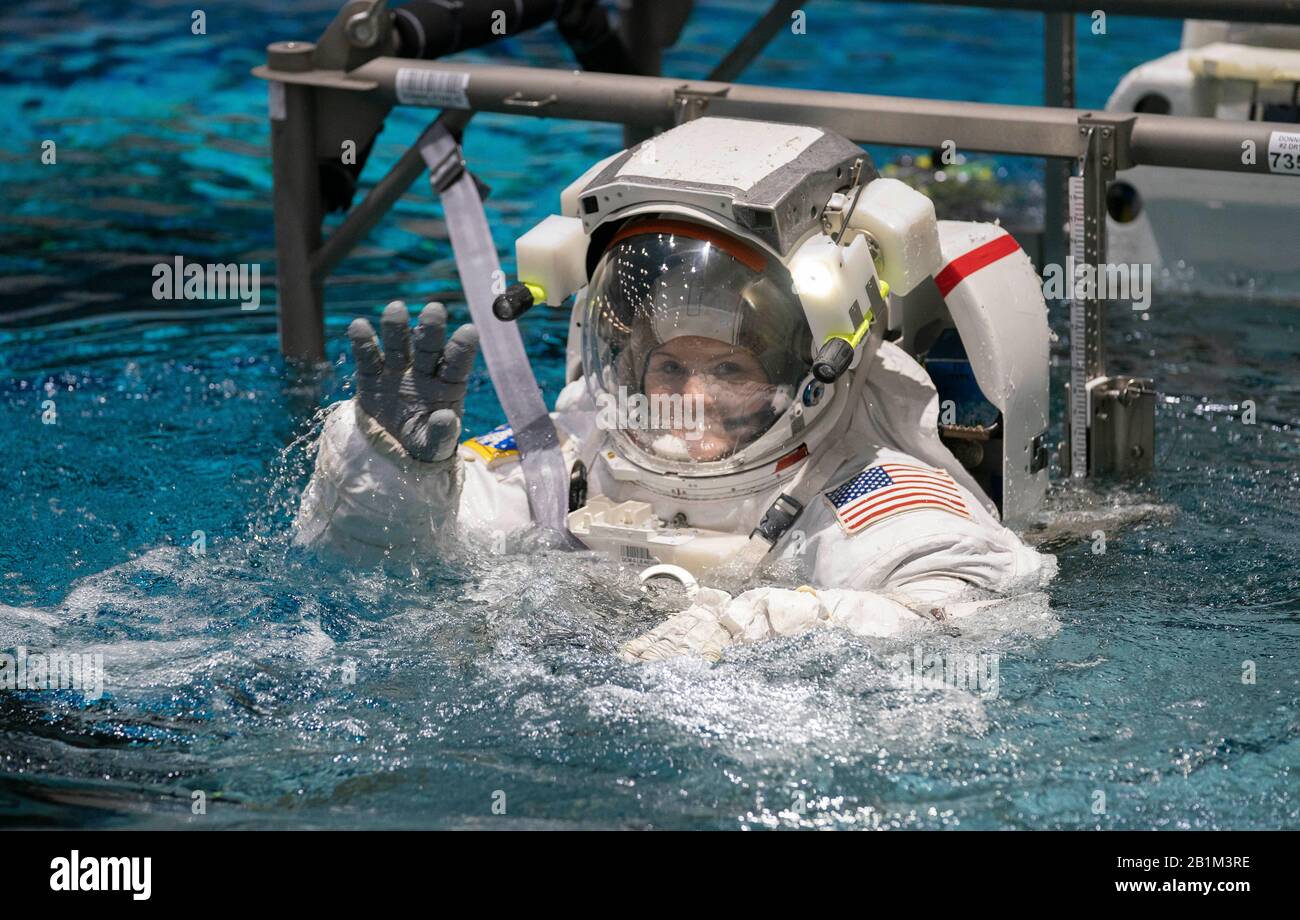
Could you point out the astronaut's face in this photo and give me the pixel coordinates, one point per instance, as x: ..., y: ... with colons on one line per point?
x: 725, y: 383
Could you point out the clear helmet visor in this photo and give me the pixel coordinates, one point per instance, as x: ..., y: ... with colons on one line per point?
x: 694, y: 342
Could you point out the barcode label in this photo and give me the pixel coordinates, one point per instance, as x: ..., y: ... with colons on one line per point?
x: 632, y: 553
x: 438, y: 88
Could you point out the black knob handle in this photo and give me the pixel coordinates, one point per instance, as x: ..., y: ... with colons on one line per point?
x: 514, y: 303
x: 832, y: 360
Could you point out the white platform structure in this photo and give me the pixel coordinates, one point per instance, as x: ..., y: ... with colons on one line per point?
x: 1216, y: 233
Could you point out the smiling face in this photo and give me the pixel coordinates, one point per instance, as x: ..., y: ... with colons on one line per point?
x: 726, y: 383
x: 699, y: 337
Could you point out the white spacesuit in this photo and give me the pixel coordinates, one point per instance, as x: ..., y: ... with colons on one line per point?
x: 732, y: 406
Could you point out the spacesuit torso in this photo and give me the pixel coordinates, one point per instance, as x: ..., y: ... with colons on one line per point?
x: 915, y: 559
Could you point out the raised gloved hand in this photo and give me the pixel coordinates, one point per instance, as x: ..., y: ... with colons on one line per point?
x: 416, y: 395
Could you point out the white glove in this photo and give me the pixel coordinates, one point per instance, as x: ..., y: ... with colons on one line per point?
x: 695, y: 631
x: 717, y: 620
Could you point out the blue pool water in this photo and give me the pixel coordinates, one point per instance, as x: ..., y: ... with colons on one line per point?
x: 228, y: 671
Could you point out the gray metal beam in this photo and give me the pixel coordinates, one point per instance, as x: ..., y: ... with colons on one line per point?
x: 297, y: 205
x: 1157, y: 140
x: 385, y: 193
x: 1058, y: 92
x: 362, y: 218
x: 1088, y: 245
x: 647, y: 27
x: 755, y: 40
x: 636, y: 26
x: 1276, y: 11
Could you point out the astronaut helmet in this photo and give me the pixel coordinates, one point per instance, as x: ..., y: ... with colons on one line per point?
x: 714, y: 266
x: 695, y: 339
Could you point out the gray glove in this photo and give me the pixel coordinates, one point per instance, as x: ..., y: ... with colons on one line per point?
x: 417, y: 397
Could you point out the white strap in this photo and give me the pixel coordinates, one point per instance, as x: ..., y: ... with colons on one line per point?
x: 546, y: 479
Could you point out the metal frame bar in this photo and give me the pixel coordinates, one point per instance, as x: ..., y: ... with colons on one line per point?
x: 755, y: 40
x: 296, y: 201
x: 385, y: 193
x: 1058, y: 92
x: 1156, y: 140
x: 1285, y: 12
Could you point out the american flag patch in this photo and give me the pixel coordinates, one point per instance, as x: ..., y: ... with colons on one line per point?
x: 879, y: 492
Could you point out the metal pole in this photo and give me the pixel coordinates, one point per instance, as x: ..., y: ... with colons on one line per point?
x: 375, y: 205
x: 1278, y: 11
x: 1098, y: 170
x: 755, y: 40
x: 368, y: 213
x: 1087, y: 309
x: 1156, y: 140
x: 1058, y: 91
x: 297, y: 204
x: 639, y: 31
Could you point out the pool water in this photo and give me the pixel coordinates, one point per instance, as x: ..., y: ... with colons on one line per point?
x: 150, y: 521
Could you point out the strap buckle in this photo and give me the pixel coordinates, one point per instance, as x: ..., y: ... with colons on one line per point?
x: 778, y: 519
x: 443, y: 175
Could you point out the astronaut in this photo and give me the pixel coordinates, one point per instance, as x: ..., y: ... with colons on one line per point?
x: 733, y: 407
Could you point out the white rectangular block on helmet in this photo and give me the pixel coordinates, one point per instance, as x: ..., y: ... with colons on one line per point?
x: 553, y: 256
x: 903, y: 224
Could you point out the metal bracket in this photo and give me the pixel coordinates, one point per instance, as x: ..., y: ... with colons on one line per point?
x: 851, y: 203
x: 1038, y: 452
x: 519, y: 100
x: 447, y: 170
x: 1115, y: 134
x: 322, y: 79
x: 365, y: 27
x: 1122, y: 426
x: 362, y: 31
x: 1106, y: 435
x: 690, y: 103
